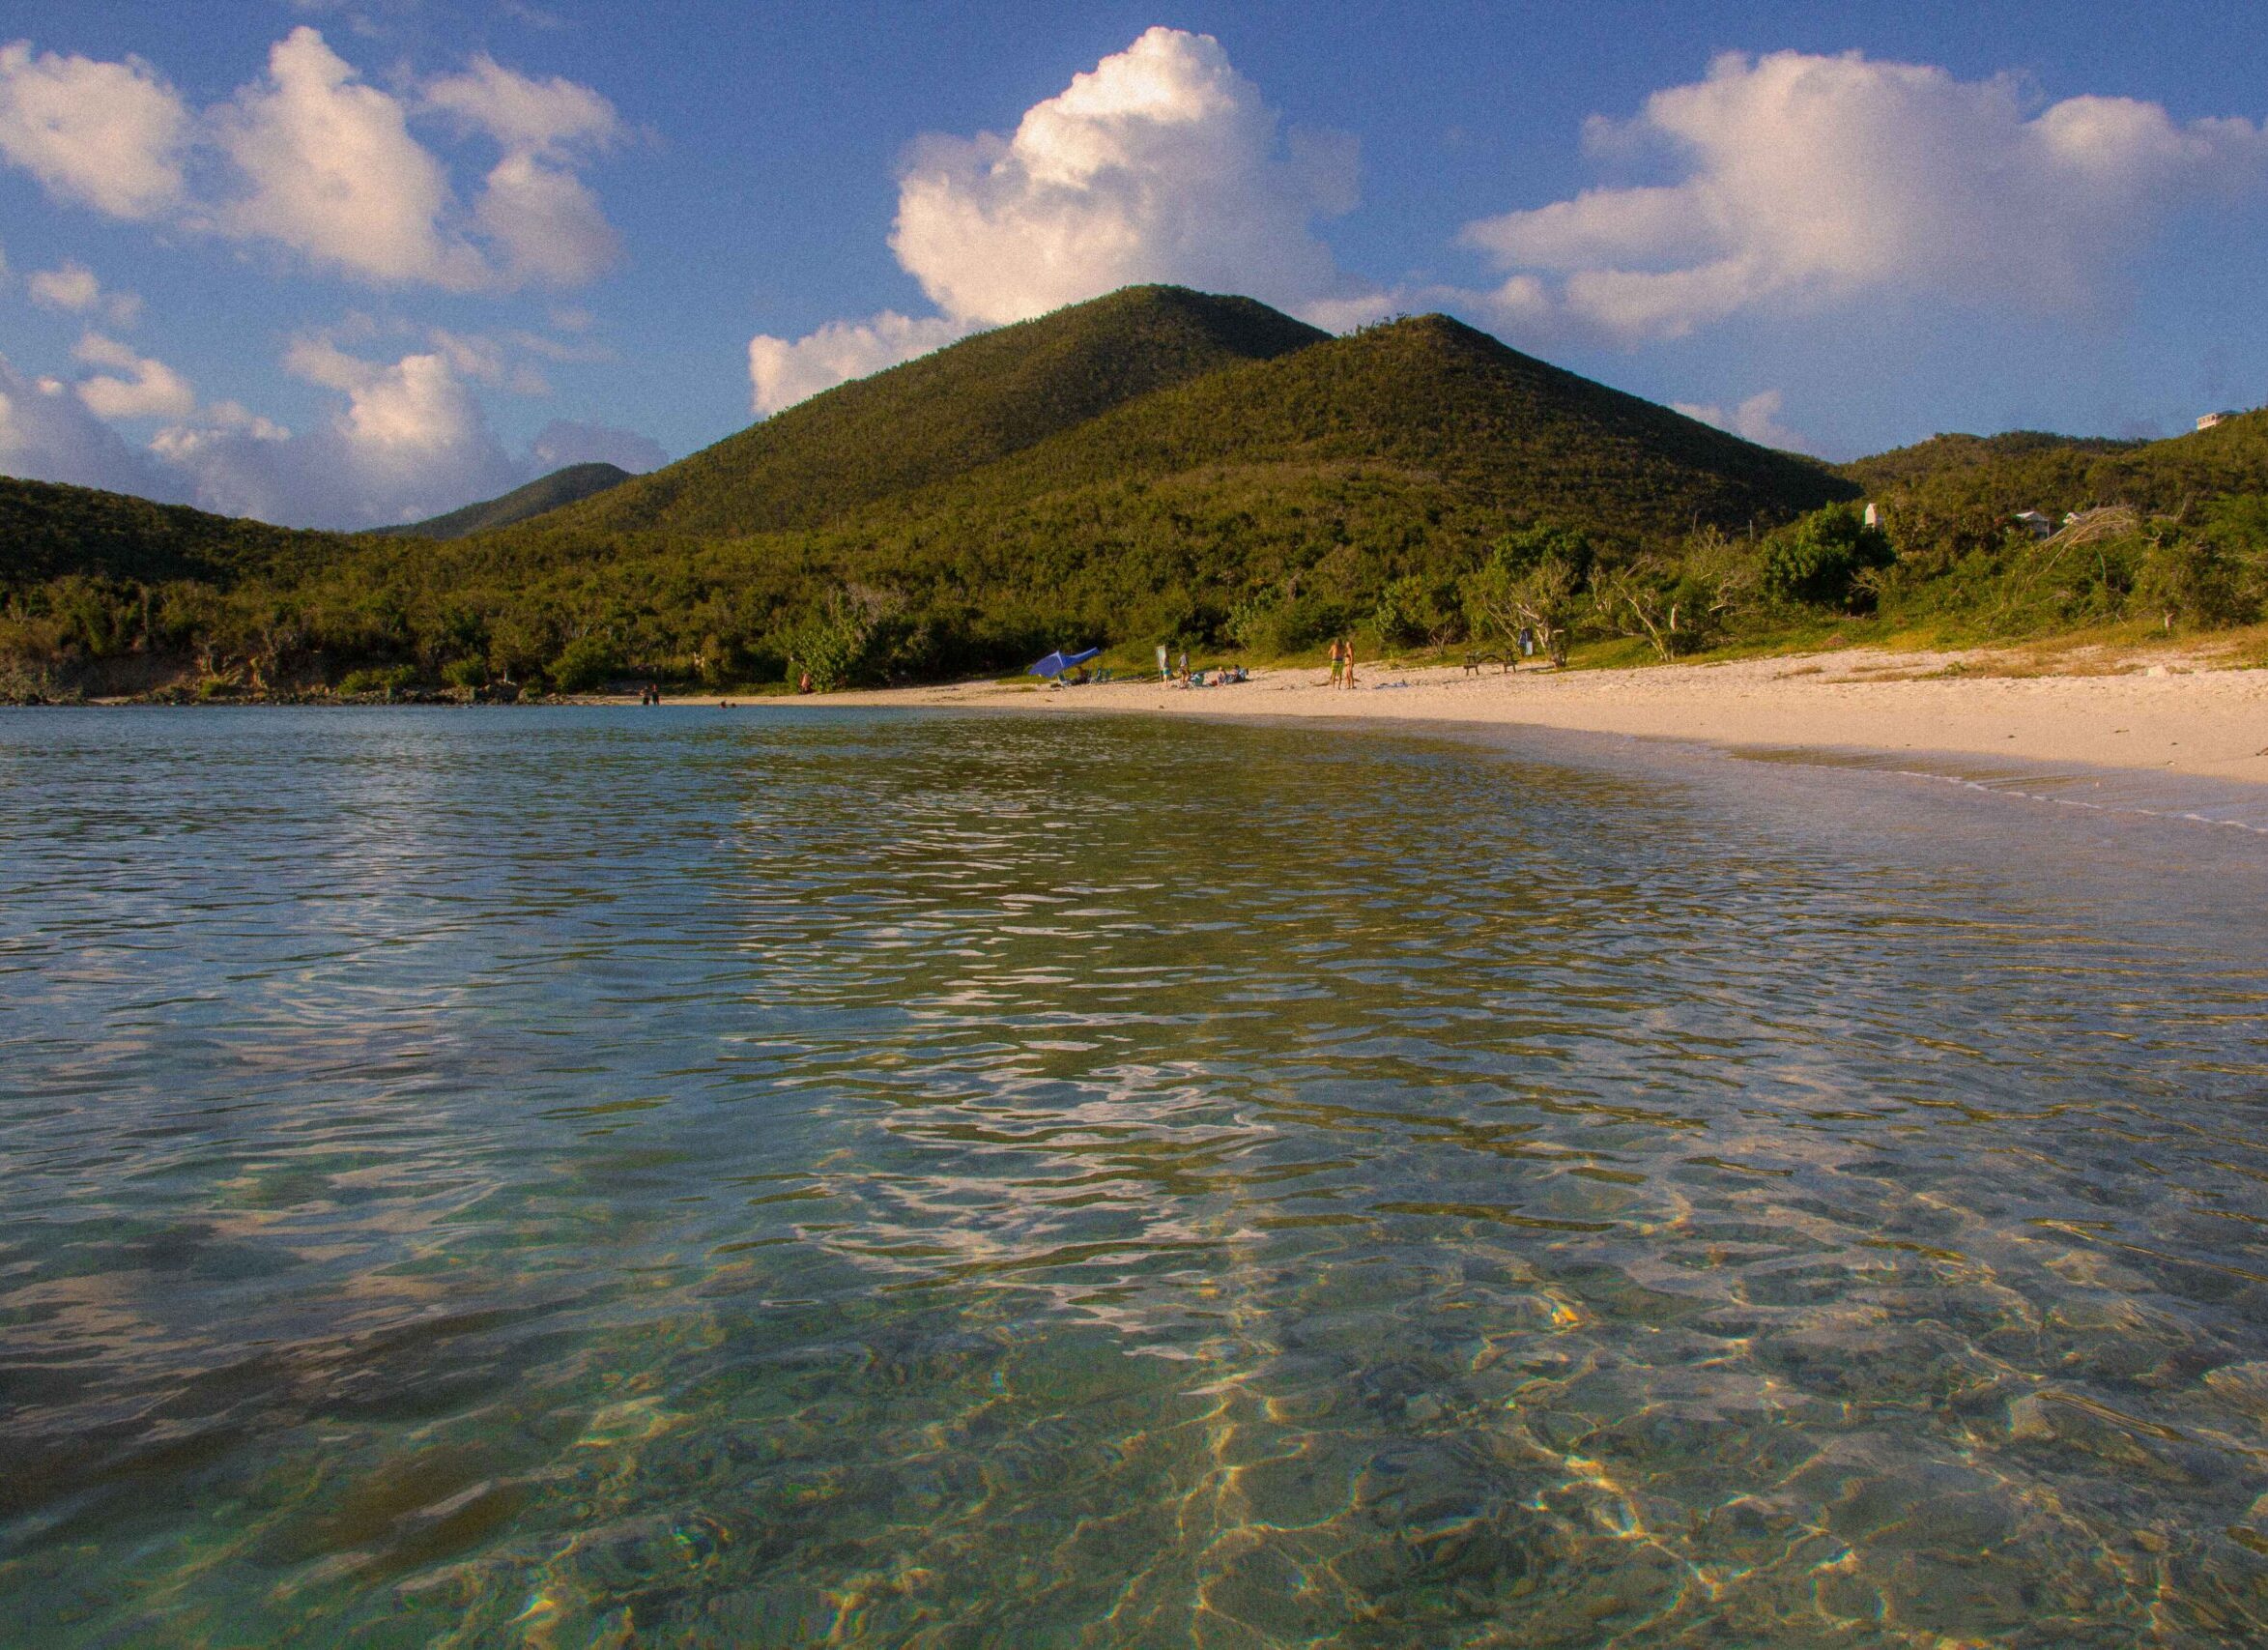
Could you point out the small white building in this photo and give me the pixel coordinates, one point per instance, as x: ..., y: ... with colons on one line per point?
x: 2211, y: 418
x: 2035, y: 524
x: 1874, y: 515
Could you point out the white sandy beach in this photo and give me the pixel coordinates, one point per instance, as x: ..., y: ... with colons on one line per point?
x: 2179, y: 718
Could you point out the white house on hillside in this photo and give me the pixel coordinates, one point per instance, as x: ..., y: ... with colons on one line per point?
x: 2035, y: 524
x: 2211, y: 418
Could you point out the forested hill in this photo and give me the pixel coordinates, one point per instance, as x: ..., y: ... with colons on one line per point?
x: 943, y: 414
x: 561, y: 487
x: 49, y: 530
x: 1426, y: 400
x: 1989, y: 478
x: 1249, y: 434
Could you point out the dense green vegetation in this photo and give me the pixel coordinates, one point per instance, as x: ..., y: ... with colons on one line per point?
x: 1152, y: 466
x: 48, y: 531
x: 561, y: 487
x: 943, y: 416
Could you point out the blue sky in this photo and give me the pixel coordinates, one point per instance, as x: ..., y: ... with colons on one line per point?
x: 336, y: 263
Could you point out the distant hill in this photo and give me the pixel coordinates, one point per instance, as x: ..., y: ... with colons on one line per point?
x: 1997, y: 476
x: 570, y: 485
x: 48, y: 530
x: 1958, y: 454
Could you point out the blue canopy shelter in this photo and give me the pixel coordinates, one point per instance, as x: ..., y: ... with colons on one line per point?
x: 1060, y: 661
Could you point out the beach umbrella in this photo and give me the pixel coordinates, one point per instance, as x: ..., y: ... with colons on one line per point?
x: 1060, y: 661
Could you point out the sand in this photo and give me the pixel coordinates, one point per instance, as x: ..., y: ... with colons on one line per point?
x: 2168, y: 718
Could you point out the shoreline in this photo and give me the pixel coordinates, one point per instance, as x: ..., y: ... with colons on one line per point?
x: 2188, y: 717
x: 2203, y: 723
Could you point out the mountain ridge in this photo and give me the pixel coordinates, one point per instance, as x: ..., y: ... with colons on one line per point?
x: 570, y: 483
x: 946, y: 412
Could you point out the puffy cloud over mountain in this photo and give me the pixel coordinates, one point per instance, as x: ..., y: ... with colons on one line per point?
x: 1162, y: 163
x: 544, y: 218
x: 785, y: 373
x: 47, y: 431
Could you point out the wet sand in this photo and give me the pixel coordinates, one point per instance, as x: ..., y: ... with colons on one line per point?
x: 2173, y: 719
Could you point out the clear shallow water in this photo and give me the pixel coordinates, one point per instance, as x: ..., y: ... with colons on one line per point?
x: 569, y: 1178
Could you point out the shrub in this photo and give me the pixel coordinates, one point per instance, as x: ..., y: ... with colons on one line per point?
x: 1818, y: 558
x: 389, y: 678
x: 858, y: 634
x: 2205, y: 581
x: 1412, y: 611
x: 1275, y: 623
x: 1509, y: 594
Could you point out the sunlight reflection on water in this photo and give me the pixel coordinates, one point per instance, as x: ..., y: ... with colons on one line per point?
x: 747, y: 1177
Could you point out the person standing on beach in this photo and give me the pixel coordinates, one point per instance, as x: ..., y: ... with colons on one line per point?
x: 1348, y: 682
x: 1338, y: 660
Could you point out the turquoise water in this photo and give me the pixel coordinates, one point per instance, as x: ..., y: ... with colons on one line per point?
x: 592, y: 1177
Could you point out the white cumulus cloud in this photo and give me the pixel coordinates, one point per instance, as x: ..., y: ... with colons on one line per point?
x: 1810, y: 179
x: 410, y: 440
x: 785, y: 373
x: 330, y: 170
x: 314, y: 158
x: 545, y: 220
x: 552, y: 117
x: 47, y: 432
x: 405, y: 438
x: 1160, y: 163
x: 73, y: 288
x: 1756, y: 418
x: 108, y: 134
x: 136, y: 386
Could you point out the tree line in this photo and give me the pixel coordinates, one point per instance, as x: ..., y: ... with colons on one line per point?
x: 1398, y: 571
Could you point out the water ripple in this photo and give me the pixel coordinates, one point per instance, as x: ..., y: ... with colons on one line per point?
x: 727, y: 1179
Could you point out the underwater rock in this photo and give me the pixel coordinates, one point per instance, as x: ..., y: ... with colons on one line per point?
x: 2038, y: 1418
x: 2242, y: 1387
